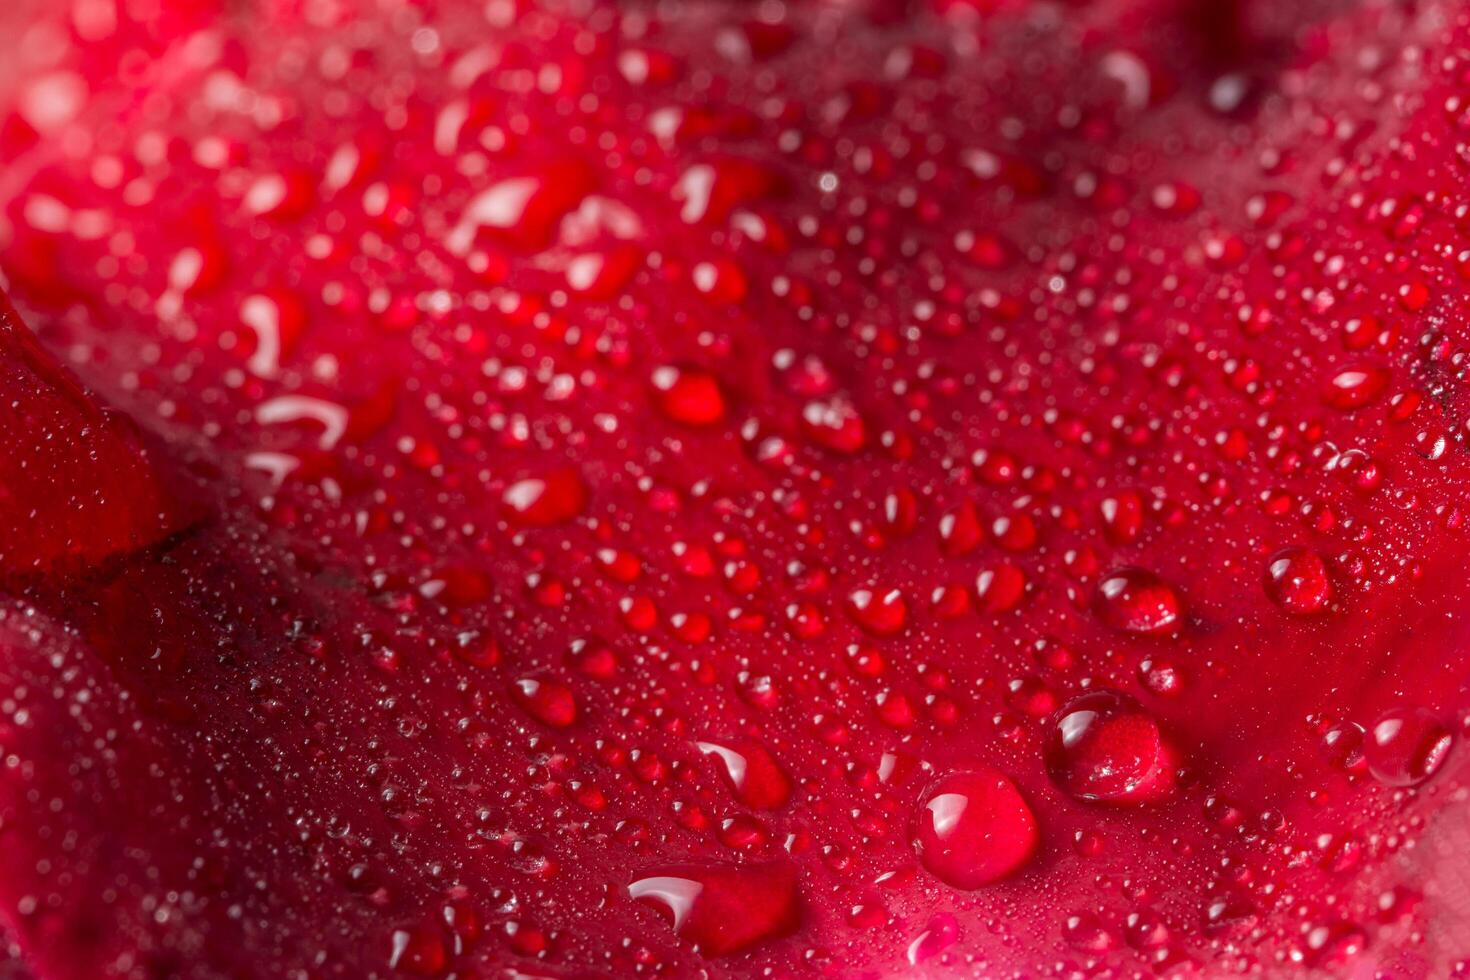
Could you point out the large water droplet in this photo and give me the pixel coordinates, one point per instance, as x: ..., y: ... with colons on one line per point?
x: 751, y: 771
x: 1296, y: 580
x: 553, y: 498
x: 975, y: 828
x: 1104, y: 747
x: 1135, y: 600
x: 1354, y: 387
x: 688, y: 396
x: 940, y: 933
x: 999, y: 588
x: 549, y: 702
x: 1406, y: 746
x: 523, y: 211
x: 881, y: 612
x: 723, y: 908
x: 835, y: 424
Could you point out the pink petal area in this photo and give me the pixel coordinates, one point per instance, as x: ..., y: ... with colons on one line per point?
x: 525, y: 396
x: 76, y: 482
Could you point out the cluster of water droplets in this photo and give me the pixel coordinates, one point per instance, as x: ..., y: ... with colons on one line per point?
x: 722, y: 495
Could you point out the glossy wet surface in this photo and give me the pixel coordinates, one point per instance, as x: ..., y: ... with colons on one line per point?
x: 828, y: 488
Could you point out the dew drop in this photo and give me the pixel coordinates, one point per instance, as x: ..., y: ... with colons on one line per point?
x: 687, y: 396
x: 1406, y: 746
x: 1087, y: 932
x: 1342, y: 744
x: 555, y: 497
x: 1000, y: 588
x: 940, y: 933
x: 974, y: 829
x: 1135, y: 600
x: 1296, y: 580
x: 881, y: 612
x: 835, y: 424
x: 751, y: 771
x: 549, y: 702
x: 1354, y: 387
x: 723, y: 908
x: 1104, y: 747
x: 418, y: 951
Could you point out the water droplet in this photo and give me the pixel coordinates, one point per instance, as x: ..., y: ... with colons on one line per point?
x: 1354, y: 387
x: 835, y: 424
x: 554, y: 498
x: 723, y: 908
x: 960, y: 531
x: 688, y: 396
x: 1343, y: 746
x: 1122, y: 516
x: 1000, y: 588
x: 881, y: 612
x: 418, y: 951
x: 1134, y: 600
x: 751, y: 771
x: 523, y: 211
x: 1103, y: 746
x: 1297, y: 581
x: 974, y: 828
x: 940, y: 933
x: 549, y: 702
x: 1087, y: 932
x: 1406, y: 746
